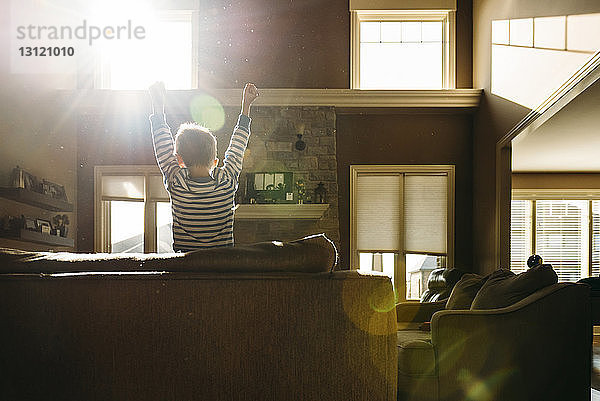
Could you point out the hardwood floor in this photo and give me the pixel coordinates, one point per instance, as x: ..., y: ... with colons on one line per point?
x: 596, y: 369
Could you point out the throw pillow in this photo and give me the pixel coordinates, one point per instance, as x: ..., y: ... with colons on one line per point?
x: 504, y: 288
x: 465, y: 291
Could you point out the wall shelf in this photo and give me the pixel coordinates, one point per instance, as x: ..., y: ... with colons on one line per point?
x: 35, y: 199
x: 40, y: 238
x: 281, y: 211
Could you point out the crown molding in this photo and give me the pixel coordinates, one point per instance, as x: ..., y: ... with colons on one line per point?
x: 96, y: 101
x: 460, y: 98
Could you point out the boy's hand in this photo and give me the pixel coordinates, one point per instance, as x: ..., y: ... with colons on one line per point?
x: 248, y: 96
x: 157, y: 95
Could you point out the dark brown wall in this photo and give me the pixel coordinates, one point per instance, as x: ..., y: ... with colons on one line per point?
x: 37, y: 133
x: 292, y: 44
x: 274, y: 43
x: 408, y: 137
x: 496, y: 116
x: 464, y: 44
x: 556, y: 180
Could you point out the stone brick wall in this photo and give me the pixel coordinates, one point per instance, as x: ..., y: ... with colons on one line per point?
x: 271, y: 149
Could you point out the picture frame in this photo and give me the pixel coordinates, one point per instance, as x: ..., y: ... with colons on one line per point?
x: 54, y: 190
x: 29, y: 224
x: 43, y: 226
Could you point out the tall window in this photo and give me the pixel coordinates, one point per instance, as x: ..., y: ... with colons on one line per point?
x: 564, y: 232
x: 402, y: 222
x: 132, y: 211
x: 167, y: 53
x: 402, y: 49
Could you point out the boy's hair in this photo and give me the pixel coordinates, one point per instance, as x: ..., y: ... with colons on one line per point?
x: 196, y: 145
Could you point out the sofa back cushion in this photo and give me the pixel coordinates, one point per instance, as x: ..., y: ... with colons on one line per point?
x: 465, y: 291
x: 504, y: 288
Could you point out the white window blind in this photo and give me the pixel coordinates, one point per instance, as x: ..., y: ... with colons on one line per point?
x: 595, y: 238
x: 426, y: 213
x: 378, y: 211
x: 562, y: 236
x: 520, y: 234
x: 131, y: 187
x: 122, y: 187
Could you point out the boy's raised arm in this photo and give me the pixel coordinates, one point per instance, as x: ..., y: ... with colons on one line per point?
x: 234, y: 156
x: 157, y: 96
x: 161, y: 133
x: 248, y: 96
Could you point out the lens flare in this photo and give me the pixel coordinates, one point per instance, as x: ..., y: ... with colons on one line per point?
x: 208, y: 112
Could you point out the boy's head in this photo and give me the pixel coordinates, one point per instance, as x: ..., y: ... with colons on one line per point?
x: 196, y: 145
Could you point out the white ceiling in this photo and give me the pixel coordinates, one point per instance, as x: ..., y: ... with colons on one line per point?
x: 567, y: 142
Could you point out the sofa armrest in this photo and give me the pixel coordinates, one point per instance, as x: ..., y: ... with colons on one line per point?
x: 506, y: 348
x: 417, y: 312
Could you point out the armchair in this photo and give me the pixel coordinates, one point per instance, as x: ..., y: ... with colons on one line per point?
x: 536, y: 349
x: 439, y: 286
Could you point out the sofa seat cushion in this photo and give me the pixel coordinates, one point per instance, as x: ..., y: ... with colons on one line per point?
x: 504, y: 288
x: 313, y: 254
x: 415, y: 353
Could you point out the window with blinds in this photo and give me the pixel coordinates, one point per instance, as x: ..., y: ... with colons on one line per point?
x: 133, y: 212
x: 520, y: 234
x: 564, y: 232
x: 561, y: 236
x: 402, y: 222
x: 595, y: 242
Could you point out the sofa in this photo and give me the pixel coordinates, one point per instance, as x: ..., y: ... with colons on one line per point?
x: 271, y: 321
x: 501, y: 337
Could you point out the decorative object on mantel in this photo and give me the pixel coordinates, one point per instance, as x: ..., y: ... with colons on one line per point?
x: 320, y: 193
x: 300, y: 188
x: 300, y: 144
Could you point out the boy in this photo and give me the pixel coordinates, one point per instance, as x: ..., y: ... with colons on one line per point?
x: 202, y: 196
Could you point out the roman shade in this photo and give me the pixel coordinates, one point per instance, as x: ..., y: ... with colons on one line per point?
x: 426, y: 212
x: 378, y: 210
x: 131, y: 187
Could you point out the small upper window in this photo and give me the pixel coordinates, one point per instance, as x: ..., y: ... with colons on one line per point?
x: 403, y: 50
x: 166, y: 54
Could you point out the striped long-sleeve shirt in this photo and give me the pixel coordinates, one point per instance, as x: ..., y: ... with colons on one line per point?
x: 202, y: 207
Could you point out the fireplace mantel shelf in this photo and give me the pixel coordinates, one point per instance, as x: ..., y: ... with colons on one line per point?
x: 281, y: 211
